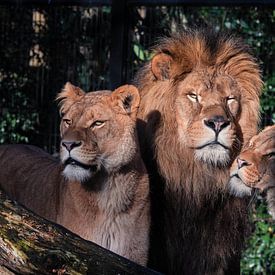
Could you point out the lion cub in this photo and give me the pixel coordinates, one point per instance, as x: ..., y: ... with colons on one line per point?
x: 100, y: 190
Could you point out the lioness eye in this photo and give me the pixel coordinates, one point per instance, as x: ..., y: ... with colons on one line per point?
x: 193, y: 97
x: 97, y: 123
x: 67, y: 122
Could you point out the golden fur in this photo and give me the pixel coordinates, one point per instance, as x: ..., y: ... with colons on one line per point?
x: 255, y: 168
x: 100, y: 191
x: 199, y: 104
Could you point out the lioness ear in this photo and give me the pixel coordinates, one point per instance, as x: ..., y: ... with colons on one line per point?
x: 127, y: 97
x: 69, y: 94
x: 162, y: 66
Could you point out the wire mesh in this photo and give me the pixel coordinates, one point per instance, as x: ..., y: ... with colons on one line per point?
x: 41, y: 49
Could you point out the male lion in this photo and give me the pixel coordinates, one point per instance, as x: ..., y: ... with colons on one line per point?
x: 255, y: 168
x: 199, y: 104
x: 101, y: 189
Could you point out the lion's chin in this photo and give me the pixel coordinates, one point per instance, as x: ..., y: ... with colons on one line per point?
x: 213, y: 155
x: 77, y: 173
x: 237, y: 188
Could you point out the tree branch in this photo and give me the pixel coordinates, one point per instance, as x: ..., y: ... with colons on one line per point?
x: 32, y: 245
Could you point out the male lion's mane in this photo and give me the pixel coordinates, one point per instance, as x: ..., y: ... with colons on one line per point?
x: 209, y: 226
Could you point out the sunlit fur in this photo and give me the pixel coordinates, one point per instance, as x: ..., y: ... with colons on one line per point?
x: 100, y: 190
x: 194, y: 76
x: 259, y: 169
x: 238, y: 188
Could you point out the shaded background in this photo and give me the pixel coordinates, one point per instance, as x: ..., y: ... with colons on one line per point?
x: 100, y: 44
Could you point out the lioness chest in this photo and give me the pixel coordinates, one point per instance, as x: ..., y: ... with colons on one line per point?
x: 107, y: 216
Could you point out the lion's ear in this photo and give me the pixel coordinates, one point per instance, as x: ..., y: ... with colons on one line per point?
x: 68, y: 96
x: 127, y: 97
x: 70, y: 92
x: 162, y: 66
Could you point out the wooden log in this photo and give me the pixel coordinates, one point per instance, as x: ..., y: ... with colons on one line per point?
x: 31, y: 245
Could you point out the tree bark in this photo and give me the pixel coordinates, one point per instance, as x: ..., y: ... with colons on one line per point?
x: 32, y: 245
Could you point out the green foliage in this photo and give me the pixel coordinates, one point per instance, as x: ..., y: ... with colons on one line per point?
x: 141, y: 53
x: 14, y: 126
x: 259, y: 256
x: 18, y: 118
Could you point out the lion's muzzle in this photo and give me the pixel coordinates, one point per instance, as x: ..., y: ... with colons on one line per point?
x: 73, y: 162
x: 69, y: 145
x: 217, y: 123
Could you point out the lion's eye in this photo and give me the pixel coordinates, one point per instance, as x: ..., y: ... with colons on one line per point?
x: 97, y: 123
x: 270, y: 155
x: 230, y: 99
x: 193, y: 97
x: 67, y: 122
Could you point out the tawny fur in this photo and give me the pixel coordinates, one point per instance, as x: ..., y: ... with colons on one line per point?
x: 108, y: 204
x: 255, y: 168
x: 195, y: 75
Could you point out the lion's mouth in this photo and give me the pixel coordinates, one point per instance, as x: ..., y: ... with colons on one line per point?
x: 251, y: 185
x: 236, y: 175
x: 212, y: 144
x: 74, y: 162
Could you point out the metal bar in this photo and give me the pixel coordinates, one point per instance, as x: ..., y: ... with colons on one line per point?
x: 118, y: 42
x: 93, y: 3
x: 201, y: 2
x: 142, y: 2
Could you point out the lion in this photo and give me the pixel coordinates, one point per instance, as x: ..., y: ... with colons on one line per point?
x: 100, y: 190
x: 199, y: 105
x: 254, y: 168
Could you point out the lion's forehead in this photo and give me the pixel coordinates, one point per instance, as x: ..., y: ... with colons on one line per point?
x: 264, y: 141
x: 250, y: 155
x: 205, y: 83
x: 100, y: 98
x: 91, y: 107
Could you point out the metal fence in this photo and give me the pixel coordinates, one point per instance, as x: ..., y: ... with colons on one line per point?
x: 41, y: 49
x: 96, y: 45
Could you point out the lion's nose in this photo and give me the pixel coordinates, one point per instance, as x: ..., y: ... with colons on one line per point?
x: 217, y: 123
x: 241, y: 163
x: 69, y: 145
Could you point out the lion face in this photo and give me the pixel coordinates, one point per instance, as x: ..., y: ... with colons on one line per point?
x: 207, y: 111
x: 97, y: 130
x: 210, y: 94
x: 255, y: 166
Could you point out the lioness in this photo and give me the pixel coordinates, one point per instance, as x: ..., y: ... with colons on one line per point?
x: 100, y: 190
x: 255, y: 168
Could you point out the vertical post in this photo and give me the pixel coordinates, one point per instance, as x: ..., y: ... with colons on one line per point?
x: 118, y: 42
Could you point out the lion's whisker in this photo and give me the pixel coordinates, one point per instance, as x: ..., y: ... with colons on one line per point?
x: 253, y: 198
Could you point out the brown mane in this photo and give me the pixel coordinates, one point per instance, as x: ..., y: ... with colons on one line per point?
x: 195, y: 191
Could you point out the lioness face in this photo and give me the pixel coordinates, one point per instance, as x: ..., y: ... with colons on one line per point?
x: 255, y: 166
x: 207, y: 109
x: 97, y: 130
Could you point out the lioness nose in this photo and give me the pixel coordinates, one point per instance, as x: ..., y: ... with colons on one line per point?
x: 69, y: 145
x: 217, y: 123
x: 241, y: 163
